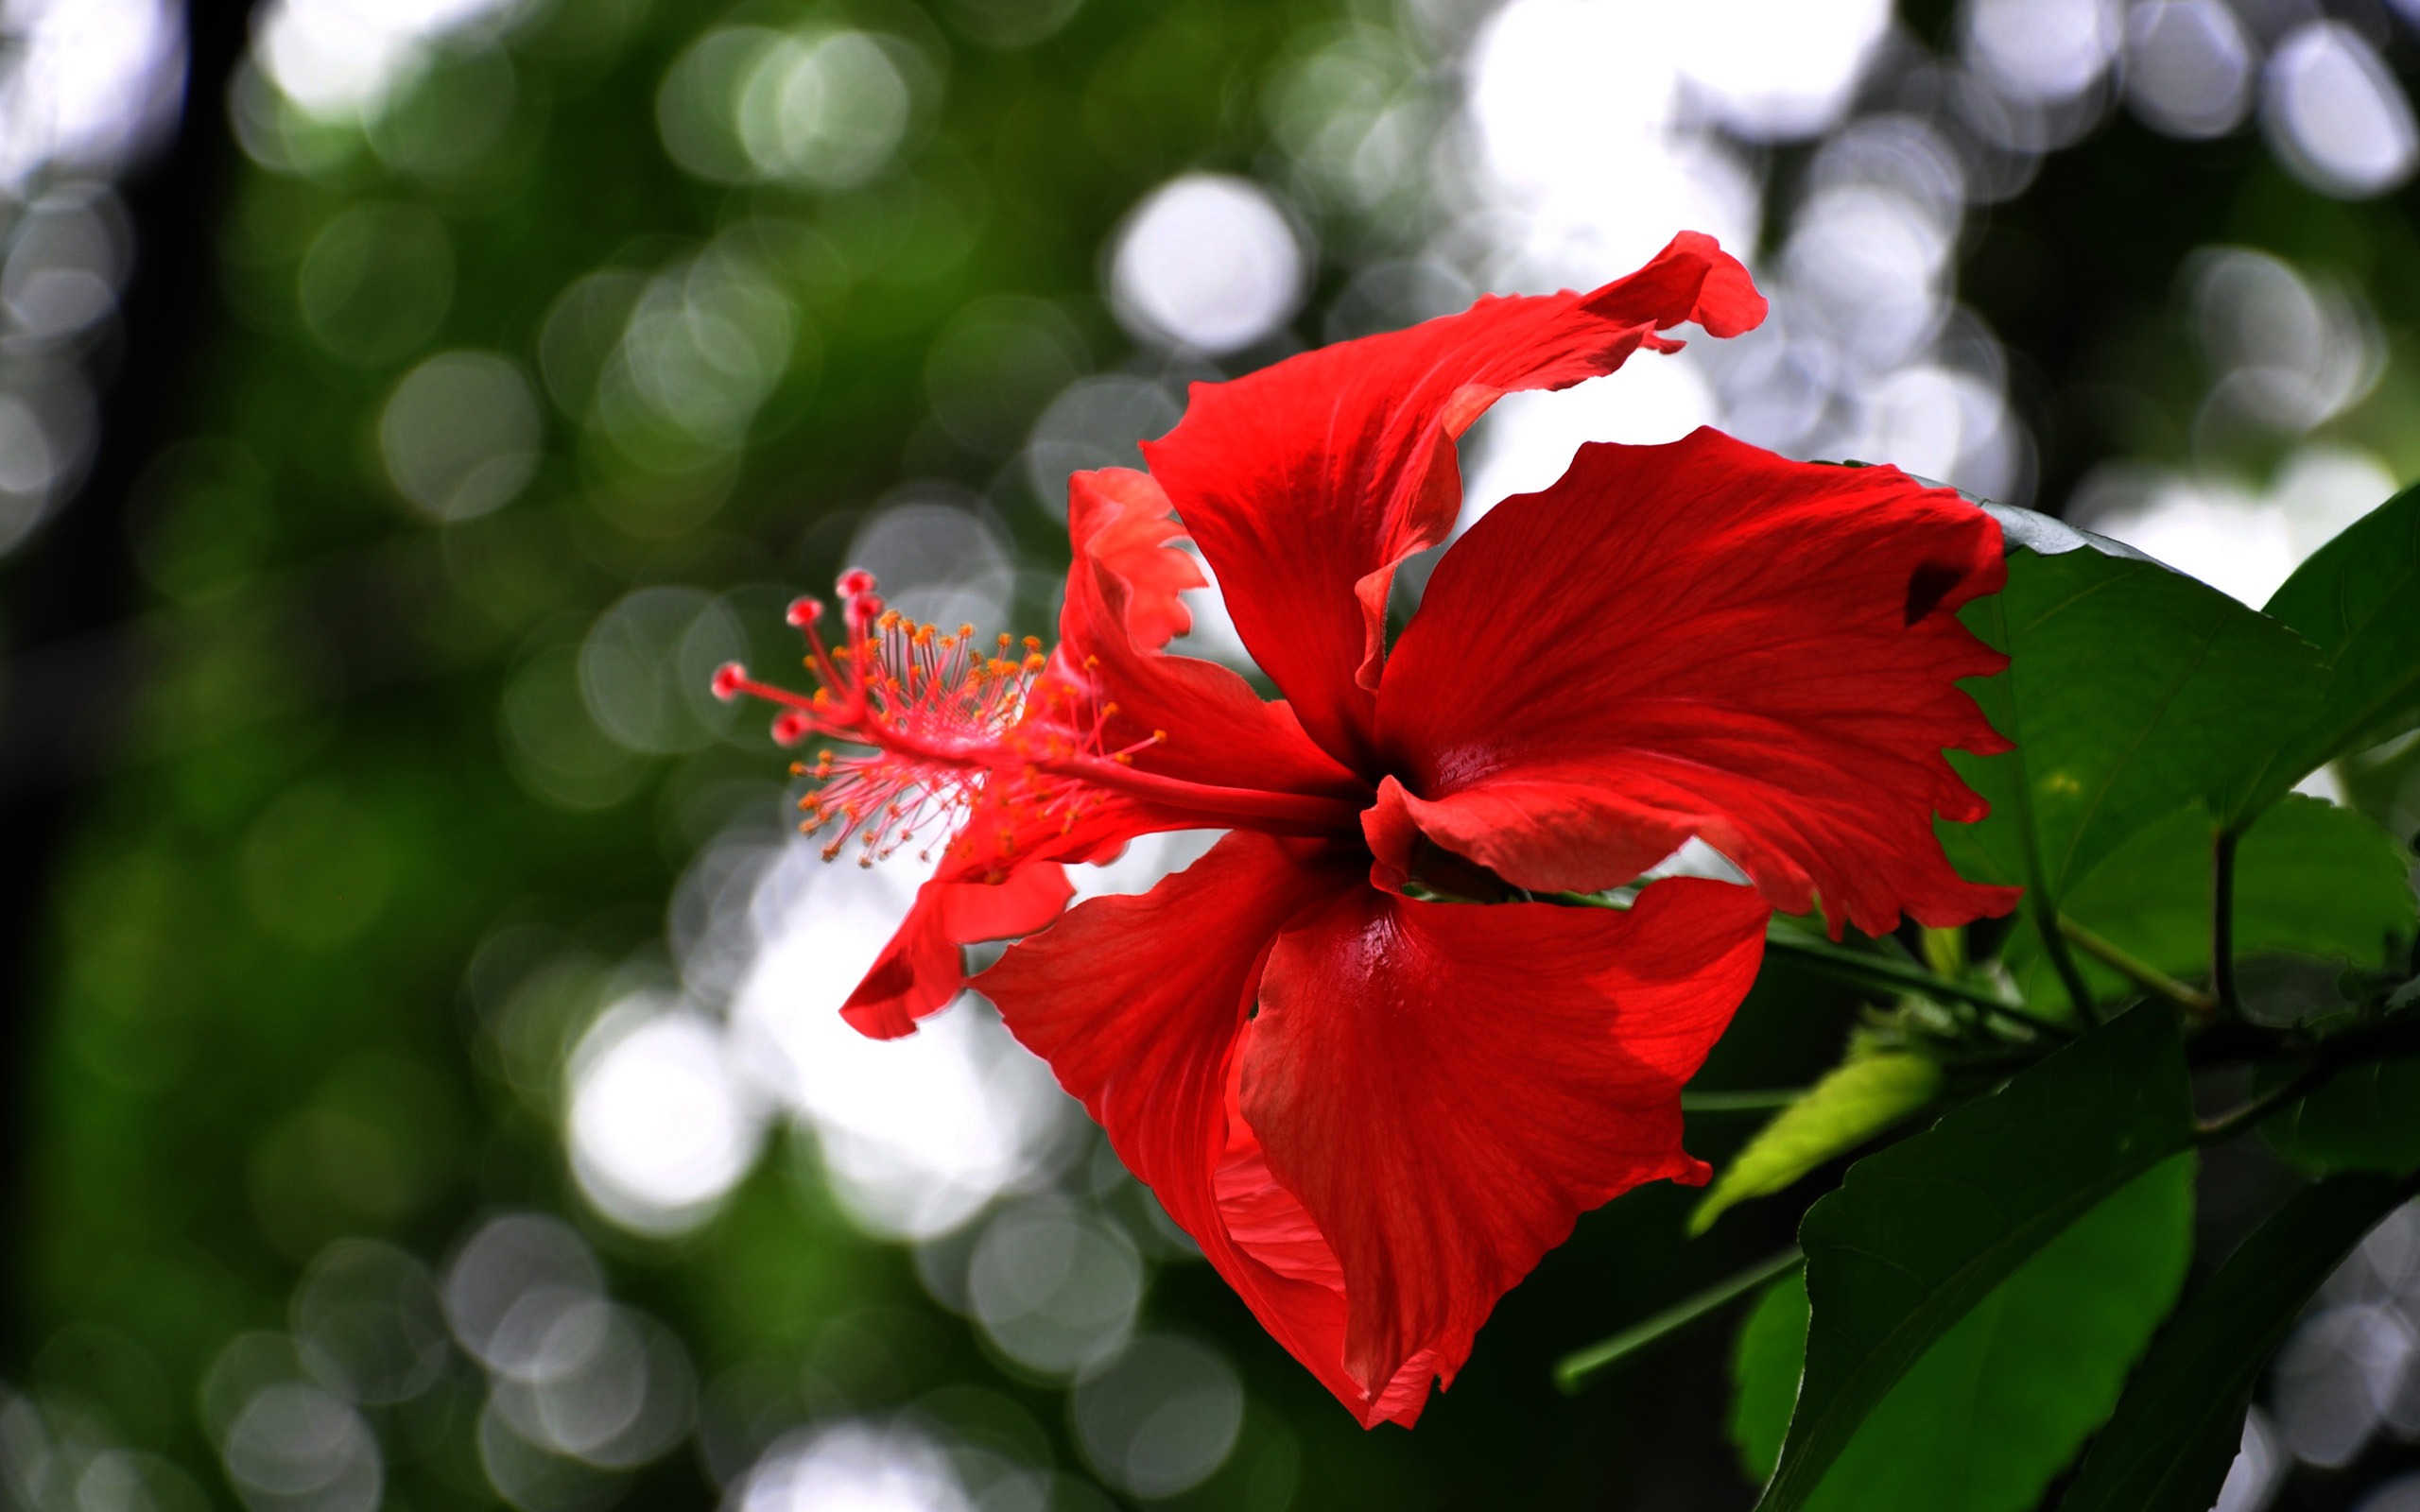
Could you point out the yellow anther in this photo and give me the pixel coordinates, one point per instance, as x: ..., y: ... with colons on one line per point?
x: 1124, y: 758
x: 1035, y: 662
x: 1159, y: 737
x: 1032, y: 642
x: 1007, y: 640
x: 966, y: 631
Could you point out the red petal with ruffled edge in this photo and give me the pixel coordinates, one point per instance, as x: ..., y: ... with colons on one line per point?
x: 1123, y: 606
x: 924, y: 964
x: 1447, y: 1087
x: 1119, y: 524
x: 1702, y: 639
x: 1305, y: 484
x: 1136, y: 1004
x: 1121, y: 593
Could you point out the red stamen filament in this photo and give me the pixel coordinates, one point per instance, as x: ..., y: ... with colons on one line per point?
x: 950, y: 726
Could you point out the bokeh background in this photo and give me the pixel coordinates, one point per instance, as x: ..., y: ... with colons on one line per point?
x: 422, y: 1090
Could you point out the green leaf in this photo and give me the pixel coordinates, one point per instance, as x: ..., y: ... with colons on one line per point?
x: 2358, y: 599
x: 1999, y: 1406
x: 2311, y: 879
x: 1847, y: 1107
x: 1765, y: 1364
x: 2003, y: 1401
x: 2367, y: 1118
x: 2132, y: 690
x: 1920, y: 1234
x: 2176, y: 1429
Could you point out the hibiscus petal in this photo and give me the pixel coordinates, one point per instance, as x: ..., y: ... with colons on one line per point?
x: 1702, y: 639
x: 1306, y: 483
x: 1120, y: 525
x: 1122, y: 603
x: 920, y: 971
x: 1136, y: 1004
x: 1446, y: 1086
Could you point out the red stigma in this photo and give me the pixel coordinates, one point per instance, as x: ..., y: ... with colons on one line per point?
x: 805, y: 611
x: 731, y: 679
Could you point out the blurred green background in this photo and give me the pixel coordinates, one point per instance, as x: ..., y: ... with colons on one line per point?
x: 423, y: 1090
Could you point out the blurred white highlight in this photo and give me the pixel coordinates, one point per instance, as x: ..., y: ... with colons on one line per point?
x: 2188, y: 68
x: 294, y: 1448
x: 1777, y: 69
x: 86, y: 84
x: 1207, y: 263
x: 661, y: 1128
x: 1053, y: 1287
x: 2335, y: 115
x: 1160, y: 1419
x: 919, y: 1134
x: 341, y: 58
x: 460, y: 435
x: 2240, y: 543
x: 2044, y: 50
x: 853, y: 1466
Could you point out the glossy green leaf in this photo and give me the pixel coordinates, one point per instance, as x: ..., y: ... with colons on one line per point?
x: 2176, y: 1429
x: 2358, y: 599
x: 1847, y: 1107
x: 1921, y: 1234
x: 2004, y: 1401
x: 2001, y: 1402
x: 2132, y: 690
x: 2311, y: 879
x: 2367, y: 1118
x: 1765, y: 1364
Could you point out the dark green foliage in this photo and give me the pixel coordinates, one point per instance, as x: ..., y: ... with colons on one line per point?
x: 2129, y: 691
x: 2174, y: 1434
x: 1920, y: 1235
x: 2315, y: 882
x: 2358, y: 599
x: 2000, y: 1402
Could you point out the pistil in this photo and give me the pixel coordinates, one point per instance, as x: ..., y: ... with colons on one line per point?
x: 951, y: 727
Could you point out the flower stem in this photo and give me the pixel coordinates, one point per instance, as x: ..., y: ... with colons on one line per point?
x: 1574, y: 1370
x: 2301, y: 1084
x: 1870, y: 969
x: 2050, y: 924
x: 2137, y: 971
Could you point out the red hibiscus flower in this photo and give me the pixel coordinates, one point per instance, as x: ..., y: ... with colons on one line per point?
x: 1373, y: 1109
